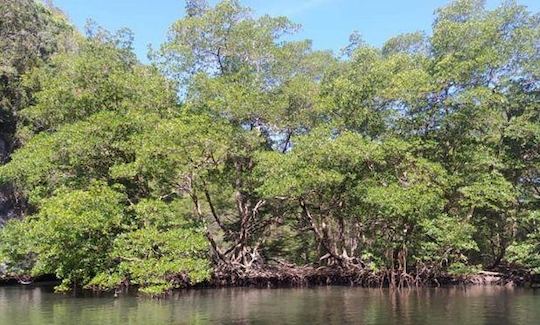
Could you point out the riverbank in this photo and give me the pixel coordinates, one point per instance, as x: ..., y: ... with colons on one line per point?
x: 283, y: 276
x: 293, y: 276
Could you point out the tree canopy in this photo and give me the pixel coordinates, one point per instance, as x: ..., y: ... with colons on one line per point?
x: 239, y: 150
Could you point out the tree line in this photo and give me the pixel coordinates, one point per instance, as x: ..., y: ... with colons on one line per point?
x: 238, y: 150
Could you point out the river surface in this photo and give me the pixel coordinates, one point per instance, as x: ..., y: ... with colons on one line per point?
x: 20, y: 305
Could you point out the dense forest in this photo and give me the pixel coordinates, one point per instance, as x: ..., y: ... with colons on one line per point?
x: 240, y: 151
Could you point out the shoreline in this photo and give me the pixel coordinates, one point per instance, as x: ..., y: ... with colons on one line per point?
x: 300, y: 277
x: 310, y: 276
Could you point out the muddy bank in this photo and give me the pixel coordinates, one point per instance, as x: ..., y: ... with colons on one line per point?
x: 292, y: 276
x: 282, y: 276
x: 10, y: 280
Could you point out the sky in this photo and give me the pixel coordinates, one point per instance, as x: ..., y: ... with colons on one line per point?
x: 327, y: 22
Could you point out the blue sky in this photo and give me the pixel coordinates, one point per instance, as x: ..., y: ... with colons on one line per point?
x: 327, y: 22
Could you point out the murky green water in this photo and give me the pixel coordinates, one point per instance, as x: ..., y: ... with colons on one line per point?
x: 326, y: 305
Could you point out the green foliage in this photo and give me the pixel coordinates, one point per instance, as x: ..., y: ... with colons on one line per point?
x: 16, y: 248
x: 85, y: 238
x: 526, y: 251
x: 88, y: 105
x: 96, y: 77
x: 161, y: 247
x: 161, y: 251
x: 71, y: 235
x: 447, y: 243
x: 30, y: 33
x: 89, y: 108
x: 175, y: 149
x: 74, y: 155
x: 526, y: 254
x: 420, y: 158
x: 232, y: 64
x: 154, y: 258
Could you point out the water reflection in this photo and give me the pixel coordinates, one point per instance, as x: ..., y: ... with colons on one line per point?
x: 325, y: 305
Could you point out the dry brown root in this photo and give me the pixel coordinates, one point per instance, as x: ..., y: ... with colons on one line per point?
x: 277, y: 273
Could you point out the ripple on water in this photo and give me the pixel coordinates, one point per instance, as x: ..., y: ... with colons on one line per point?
x: 322, y: 305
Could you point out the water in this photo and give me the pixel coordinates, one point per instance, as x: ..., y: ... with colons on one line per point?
x: 324, y: 305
